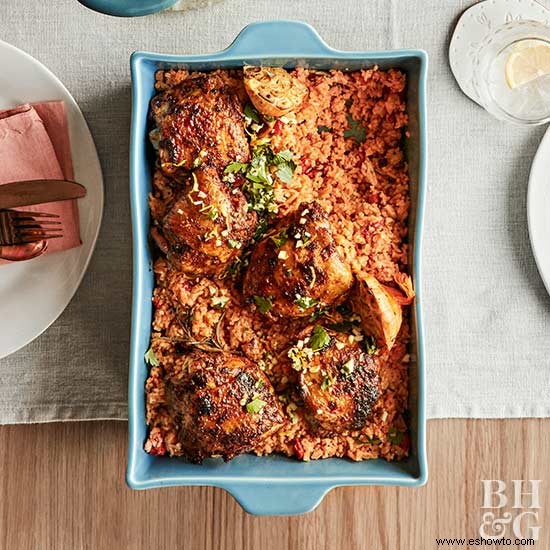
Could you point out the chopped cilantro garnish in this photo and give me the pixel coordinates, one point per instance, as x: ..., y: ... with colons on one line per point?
x: 305, y: 302
x: 320, y: 338
x: 316, y: 314
x: 347, y: 367
x: 281, y: 238
x: 355, y: 131
x: 284, y: 173
x: 151, y: 358
x: 251, y: 113
x: 282, y: 156
x: 285, y: 165
x: 395, y: 437
x: 234, y: 166
x: 263, y: 304
x: 233, y: 243
x: 220, y: 301
x: 260, y: 172
x: 300, y: 356
x: 373, y: 440
x: 327, y: 382
x: 348, y: 103
x: 235, y: 268
x: 322, y: 128
x: 261, y: 229
x: 257, y: 170
x: 256, y: 405
x: 259, y: 187
x: 210, y: 211
x: 370, y: 345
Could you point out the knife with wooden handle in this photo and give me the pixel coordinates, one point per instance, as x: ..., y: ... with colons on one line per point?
x: 27, y: 193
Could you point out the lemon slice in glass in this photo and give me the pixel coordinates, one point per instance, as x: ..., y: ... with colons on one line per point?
x: 529, y: 60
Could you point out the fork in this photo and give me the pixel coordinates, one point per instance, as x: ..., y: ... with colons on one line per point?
x: 18, y: 227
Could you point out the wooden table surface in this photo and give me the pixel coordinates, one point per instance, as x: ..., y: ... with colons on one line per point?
x: 63, y: 488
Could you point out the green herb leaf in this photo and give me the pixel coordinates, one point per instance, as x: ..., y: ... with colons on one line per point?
x: 320, y: 338
x: 348, y: 103
x: 395, y: 437
x: 256, y: 405
x: 151, y: 358
x: 251, y: 113
x: 370, y: 345
x: 305, y: 302
x: 286, y: 165
x: 263, y: 304
x: 373, y: 440
x: 281, y: 238
x: 261, y: 229
x: 283, y: 156
x: 322, y: 128
x: 233, y: 243
x: 269, y: 118
x: 259, y: 188
x: 355, y: 131
x: 284, y: 173
x: 327, y: 382
x: 234, y: 167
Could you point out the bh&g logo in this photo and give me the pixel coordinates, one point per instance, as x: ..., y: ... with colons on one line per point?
x: 522, y: 498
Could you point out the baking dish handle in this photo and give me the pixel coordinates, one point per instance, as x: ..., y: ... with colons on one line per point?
x: 276, y: 38
x: 278, y: 499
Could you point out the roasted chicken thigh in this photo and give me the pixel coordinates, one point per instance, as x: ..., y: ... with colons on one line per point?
x: 198, y: 119
x: 297, y: 269
x: 223, y: 405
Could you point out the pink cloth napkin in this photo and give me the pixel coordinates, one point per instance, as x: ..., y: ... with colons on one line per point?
x: 34, y: 144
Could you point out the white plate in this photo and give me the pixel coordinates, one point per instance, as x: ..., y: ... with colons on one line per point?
x: 538, y: 208
x: 34, y: 293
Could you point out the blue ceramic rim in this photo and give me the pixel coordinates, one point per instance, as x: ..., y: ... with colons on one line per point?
x: 322, y: 484
x: 128, y: 8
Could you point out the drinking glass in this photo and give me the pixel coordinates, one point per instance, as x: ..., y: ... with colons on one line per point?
x: 528, y: 104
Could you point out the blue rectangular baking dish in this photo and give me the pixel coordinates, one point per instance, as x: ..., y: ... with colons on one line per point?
x: 272, y: 484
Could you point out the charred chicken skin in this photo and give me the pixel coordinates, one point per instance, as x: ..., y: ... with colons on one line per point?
x: 338, y: 380
x: 207, y: 225
x: 223, y: 405
x: 200, y: 118
x: 297, y: 269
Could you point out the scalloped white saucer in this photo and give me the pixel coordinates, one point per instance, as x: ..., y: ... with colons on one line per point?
x: 479, y: 21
